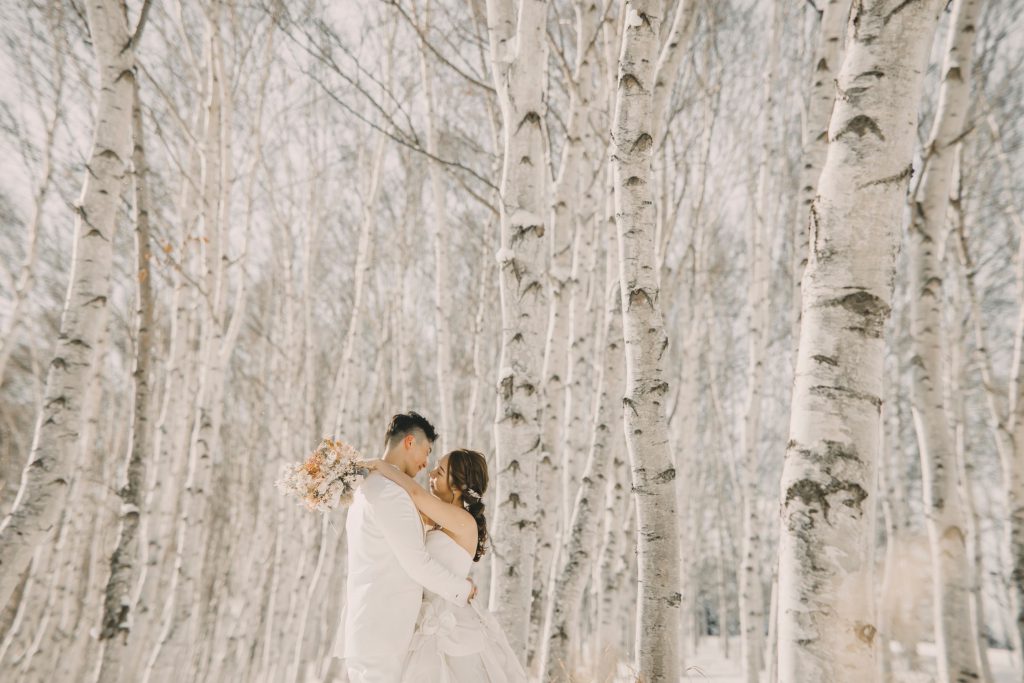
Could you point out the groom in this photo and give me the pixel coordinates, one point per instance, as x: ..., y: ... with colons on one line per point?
x: 388, y: 565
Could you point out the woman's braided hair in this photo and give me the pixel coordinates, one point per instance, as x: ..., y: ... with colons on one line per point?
x: 467, y: 472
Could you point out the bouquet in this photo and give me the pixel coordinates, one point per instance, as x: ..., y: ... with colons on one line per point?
x: 327, y: 479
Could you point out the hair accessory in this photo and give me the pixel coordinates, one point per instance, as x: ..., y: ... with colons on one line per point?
x: 471, y: 492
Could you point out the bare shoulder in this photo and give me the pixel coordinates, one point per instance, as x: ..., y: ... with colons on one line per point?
x: 464, y: 518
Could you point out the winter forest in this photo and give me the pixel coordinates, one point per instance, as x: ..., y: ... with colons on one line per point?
x: 729, y: 292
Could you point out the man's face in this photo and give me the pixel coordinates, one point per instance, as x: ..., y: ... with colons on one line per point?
x: 418, y: 449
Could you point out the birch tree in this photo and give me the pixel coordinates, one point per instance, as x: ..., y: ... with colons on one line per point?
x: 826, y: 618
x: 751, y: 598
x: 1005, y: 408
x: 824, y: 65
x: 957, y: 645
x: 118, y: 599
x: 562, y: 621
x: 571, y: 221
x: 658, y: 599
x: 44, y: 480
x: 518, y: 49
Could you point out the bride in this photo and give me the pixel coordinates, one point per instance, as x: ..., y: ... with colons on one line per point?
x: 454, y: 644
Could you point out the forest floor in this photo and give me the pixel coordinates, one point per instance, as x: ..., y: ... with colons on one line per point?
x: 710, y: 665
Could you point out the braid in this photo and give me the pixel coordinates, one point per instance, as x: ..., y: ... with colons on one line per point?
x: 467, y: 471
x: 475, y: 507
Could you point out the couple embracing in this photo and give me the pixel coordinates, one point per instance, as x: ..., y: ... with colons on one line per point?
x: 410, y: 613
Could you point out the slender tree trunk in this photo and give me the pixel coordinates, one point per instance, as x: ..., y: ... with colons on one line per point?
x: 646, y: 427
x: 826, y: 613
x: 720, y: 579
x: 484, y: 290
x: 825, y: 65
x: 184, y: 609
x: 567, y: 219
x: 118, y: 602
x: 957, y: 645
x: 560, y: 625
x: 955, y: 385
x: 519, y: 64
x: 441, y: 288
x: 771, y: 647
x: 751, y: 598
x: 670, y: 59
x: 45, y: 478
x: 1003, y: 420
x: 1013, y: 476
x: 343, y: 391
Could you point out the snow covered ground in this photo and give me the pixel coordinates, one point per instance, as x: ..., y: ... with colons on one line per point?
x: 709, y: 665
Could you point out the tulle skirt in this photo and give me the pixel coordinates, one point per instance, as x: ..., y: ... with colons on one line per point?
x: 459, y: 645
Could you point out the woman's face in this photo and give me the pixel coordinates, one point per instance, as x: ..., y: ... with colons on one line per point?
x: 439, y: 480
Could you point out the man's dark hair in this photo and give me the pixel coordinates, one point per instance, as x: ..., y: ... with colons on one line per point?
x: 404, y: 424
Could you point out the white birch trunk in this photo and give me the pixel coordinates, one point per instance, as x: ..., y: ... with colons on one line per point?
x: 1005, y: 415
x: 955, y: 386
x: 567, y: 219
x: 956, y: 644
x: 182, y: 614
x: 118, y: 606
x: 561, y: 625
x: 617, y: 504
x: 751, y: 599
x: 720, y: 579
x: 174, y: 423
x: 826, y: 613
x: 343, y: 391
x: 441, y: 289
x: 825, y: 65
x: 45, y: 478
x: 646, y: 428
x: 669, y: 61
x: 519, y: 63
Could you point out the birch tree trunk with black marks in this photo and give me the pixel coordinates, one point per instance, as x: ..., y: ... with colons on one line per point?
x: 827, y: 52
x: 646, y: 427
x: 518, y: 50
x: 826, y: 613
x: 562, y: 625
x: 185, y: 607
x: 956, y: 644
x: 35, y: 511
x: 116, y: 622
x: 569, y: 218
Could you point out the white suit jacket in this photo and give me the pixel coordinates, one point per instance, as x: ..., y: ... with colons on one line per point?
x: 388, y: 568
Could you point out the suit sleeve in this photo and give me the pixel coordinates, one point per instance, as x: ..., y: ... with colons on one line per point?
x: 399, y: 523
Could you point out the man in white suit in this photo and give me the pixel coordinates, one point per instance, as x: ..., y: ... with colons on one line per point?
x: 388, y: 565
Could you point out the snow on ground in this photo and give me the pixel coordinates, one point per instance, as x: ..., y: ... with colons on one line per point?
x: 709, y: 665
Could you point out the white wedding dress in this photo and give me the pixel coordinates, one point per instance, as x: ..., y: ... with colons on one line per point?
x: 457, y: 644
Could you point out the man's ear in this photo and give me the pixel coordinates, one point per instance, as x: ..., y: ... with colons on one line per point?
x: 408, y: 441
